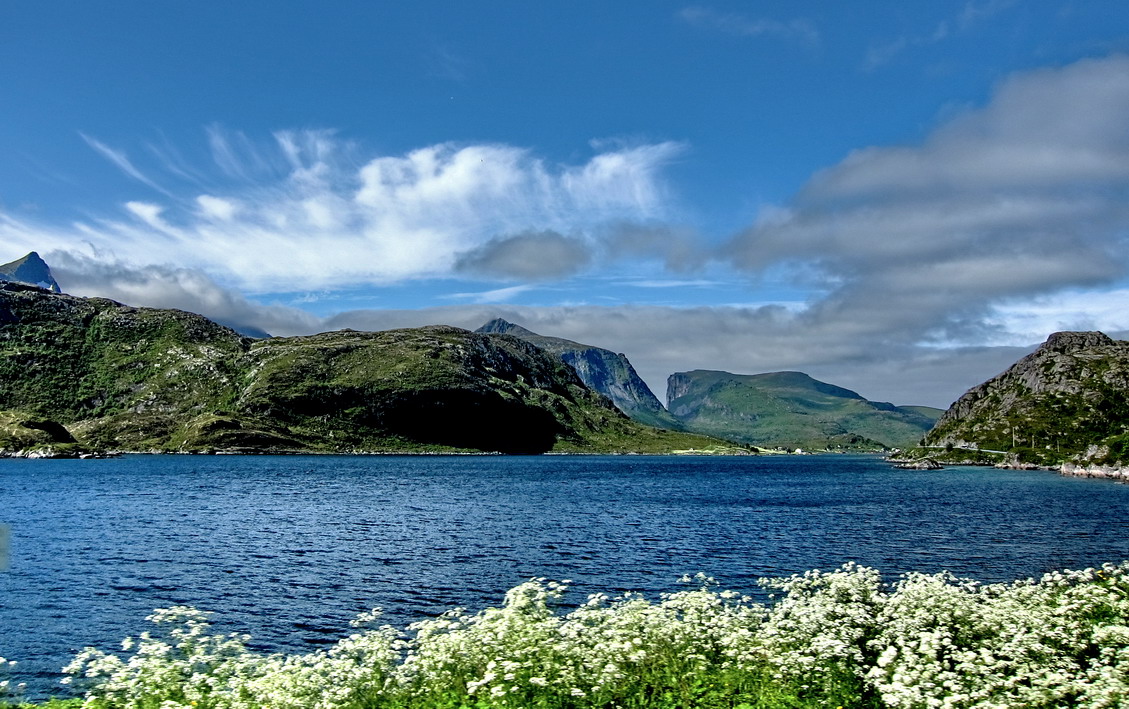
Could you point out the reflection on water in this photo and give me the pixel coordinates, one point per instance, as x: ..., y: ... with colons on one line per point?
x: 291, y: 548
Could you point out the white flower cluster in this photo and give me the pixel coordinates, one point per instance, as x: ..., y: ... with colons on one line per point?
x: 185, y: 667
x: 605, y: 649
x: 6, y: 684
x: 1062, y: 641
x: 839, y: 637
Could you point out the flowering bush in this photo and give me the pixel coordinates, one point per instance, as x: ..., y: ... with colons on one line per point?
x: 833, y: 639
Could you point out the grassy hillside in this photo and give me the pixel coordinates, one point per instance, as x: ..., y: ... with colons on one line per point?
x: 127, y: 378
x: 1069, y: 399
x: 789, y: 409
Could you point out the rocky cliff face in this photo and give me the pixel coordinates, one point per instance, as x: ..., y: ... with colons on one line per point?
x: 601, y: 370
x: 789, y: 410
x: 1067, y: 399
x: 116, y: 377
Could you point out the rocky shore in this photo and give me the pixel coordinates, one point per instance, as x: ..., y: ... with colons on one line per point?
x: 1109, y: 472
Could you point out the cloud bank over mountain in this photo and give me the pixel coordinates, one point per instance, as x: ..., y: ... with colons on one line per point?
x: 1006, y: 221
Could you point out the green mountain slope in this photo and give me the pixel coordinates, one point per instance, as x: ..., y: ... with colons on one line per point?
x: 789, y: 409
x: 601, y: 370
x: 127, y: 378
x: 1069, y: 399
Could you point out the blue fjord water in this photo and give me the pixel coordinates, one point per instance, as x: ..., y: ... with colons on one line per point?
x: 290, y: 549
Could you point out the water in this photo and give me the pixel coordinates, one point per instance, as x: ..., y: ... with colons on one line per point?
x: 290, y: 549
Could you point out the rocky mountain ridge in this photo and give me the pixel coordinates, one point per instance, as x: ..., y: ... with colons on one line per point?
x: 1066, y: 401
x: 92, y: 373
x: 32, y: 270
x: 601, y: 370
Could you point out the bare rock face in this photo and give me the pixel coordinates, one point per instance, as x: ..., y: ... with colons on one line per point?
x: 601, y: 370
x: 1068, y: 395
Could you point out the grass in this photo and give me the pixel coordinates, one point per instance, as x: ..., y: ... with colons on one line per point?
x: 828, y: 639
x: 137, y: 379
x: 791, y: 410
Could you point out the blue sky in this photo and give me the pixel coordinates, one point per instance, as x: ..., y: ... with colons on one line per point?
x: 894, y: 197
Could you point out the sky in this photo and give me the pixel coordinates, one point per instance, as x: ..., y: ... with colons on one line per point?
x: 898, y: 198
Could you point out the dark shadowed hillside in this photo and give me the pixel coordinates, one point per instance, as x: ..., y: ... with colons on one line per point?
x: 117, y: 377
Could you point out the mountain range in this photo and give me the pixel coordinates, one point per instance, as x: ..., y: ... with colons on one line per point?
x: 774, y: 410
x: 90, y: 373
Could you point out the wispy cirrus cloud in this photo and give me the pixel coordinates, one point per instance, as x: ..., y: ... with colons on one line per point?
x: 123, y: 163
x: 309, y: 210
x: 496, y: 295
x: 972, y: 14
x: 798, y: 29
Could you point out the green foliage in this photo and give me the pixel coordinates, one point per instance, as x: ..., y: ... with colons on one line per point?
x: 121, y: 378
x: 830, y: 639
x: 1069, y: 397
x: 790, y: 410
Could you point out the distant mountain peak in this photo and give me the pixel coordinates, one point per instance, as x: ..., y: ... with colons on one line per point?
x: 30, y: 269
x: 601, y: 370
x: 789, y: 409
x: 498, y: 326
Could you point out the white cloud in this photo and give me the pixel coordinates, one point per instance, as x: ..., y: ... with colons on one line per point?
x: 216, y: 207
x: 1021, y: 199
x: 150, y: 214
x: 1029, y: 320
x: 737, y: 24
x: 123, y: 163
x: 310, y: 211
x: 972, y: 14
x: 497, y: 295
x: 172, y: 287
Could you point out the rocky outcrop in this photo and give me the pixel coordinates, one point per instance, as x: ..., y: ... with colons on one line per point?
x: 601, y: 370
x: 1105, y: 472
x: 922, y: 464
x: 1069, y: 399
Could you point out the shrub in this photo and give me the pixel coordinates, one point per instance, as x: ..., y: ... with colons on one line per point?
x: 831, y: 639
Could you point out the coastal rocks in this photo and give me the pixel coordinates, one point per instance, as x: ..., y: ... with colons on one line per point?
x: 923, y: 464
x: 1107, y: 472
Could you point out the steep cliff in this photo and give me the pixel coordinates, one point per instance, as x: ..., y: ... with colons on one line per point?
x: 1067, y: 399
x: 601, y: 370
